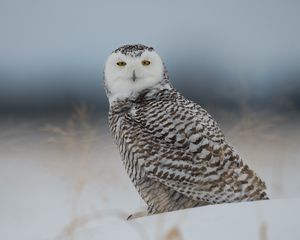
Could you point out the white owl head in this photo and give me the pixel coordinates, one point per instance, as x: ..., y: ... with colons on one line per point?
x: 131, y: 69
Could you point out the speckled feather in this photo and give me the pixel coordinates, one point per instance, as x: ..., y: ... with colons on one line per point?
x: 176, y: 155
x: 134, y: 50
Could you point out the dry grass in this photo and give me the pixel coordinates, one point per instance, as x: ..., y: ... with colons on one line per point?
x: 80, y: 222
x: 257, y: 127
x: 173, y: 234
x: 263, y: 229
x: 78, y: 134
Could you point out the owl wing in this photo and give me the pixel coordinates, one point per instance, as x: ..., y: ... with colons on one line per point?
x: 194, y: 158
x: 180, y: 122
x: 211, y: 182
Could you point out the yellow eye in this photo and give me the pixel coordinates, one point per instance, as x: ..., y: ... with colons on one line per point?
x: 146, y: 62
x: 121, y: 63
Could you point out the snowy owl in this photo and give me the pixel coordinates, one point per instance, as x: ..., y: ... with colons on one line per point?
x: 172, y: 149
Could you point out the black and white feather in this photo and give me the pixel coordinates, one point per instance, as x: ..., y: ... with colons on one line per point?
x: 174, y: 152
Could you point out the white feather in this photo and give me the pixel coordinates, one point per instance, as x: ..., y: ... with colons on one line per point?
x: 118, y: 79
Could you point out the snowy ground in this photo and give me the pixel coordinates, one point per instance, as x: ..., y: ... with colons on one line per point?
x: 275, y: 219
x: 64, y: 180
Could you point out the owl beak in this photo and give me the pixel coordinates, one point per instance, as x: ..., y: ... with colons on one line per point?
x: 133, y: 76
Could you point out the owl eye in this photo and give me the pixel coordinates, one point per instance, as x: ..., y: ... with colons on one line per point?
x: 121, y: 63
x: 146, y: 62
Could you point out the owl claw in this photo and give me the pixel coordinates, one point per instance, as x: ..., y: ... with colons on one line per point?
x: 137, y: 215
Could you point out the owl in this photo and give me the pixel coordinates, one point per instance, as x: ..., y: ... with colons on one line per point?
x: 173, y: 150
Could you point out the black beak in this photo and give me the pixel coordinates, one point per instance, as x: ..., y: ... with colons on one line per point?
x: 133, y: 76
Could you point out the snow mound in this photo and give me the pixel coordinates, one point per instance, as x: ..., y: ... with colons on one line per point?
x: 262, y: 220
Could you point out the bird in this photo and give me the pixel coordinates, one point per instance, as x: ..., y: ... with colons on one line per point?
x: 173, y: 150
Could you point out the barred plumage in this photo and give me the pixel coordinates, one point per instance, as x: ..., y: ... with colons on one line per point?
x: 173, y: 151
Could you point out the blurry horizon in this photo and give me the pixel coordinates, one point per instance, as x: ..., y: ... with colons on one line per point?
x: 61, y: 175
x: 218, y: 54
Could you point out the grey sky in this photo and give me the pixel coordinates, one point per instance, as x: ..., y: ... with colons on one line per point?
x: 59, y: 47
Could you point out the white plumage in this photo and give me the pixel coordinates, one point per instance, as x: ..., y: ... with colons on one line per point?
x: 172, y: 149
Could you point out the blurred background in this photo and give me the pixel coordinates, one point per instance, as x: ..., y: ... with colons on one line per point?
x: 238, y: 59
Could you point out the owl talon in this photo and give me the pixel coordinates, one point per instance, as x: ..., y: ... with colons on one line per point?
x: 137, y: 215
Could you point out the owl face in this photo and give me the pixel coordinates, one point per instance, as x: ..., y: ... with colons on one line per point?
x: 130, y: 70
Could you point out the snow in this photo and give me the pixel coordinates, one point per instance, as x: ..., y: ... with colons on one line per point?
x: 274, y: 219
x: 65, y: 183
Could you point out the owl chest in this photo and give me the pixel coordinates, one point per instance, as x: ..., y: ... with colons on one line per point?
x: 128, y: 140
